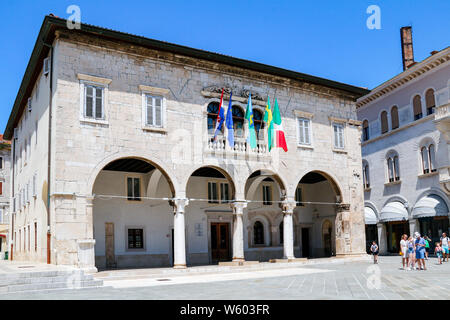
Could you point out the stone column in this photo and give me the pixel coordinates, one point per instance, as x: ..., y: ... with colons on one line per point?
x: 288, y: 229
x: 343, y: 242
x: 238, y: 230
x: 413, y: 226
x: 86, y: 246
x: 179, y: 231
x: 382, y: 241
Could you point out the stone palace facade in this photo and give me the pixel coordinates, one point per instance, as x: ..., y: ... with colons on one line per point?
x: 114, y: 164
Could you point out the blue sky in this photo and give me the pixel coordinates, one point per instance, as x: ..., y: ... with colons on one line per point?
x: 328, y: 39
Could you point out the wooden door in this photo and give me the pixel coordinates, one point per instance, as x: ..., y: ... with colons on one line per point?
x: 220, y: 242
x: 109, y: 245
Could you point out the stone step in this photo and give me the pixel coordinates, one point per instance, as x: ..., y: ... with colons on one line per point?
x: 49, y: 286
x: 35, y: 280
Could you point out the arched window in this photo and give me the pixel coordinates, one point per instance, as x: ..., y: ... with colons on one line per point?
x: 366, y: 177
x: 280, y: 228
x: 213, y: 111
x: 384, y: 122
x: 429, y: 101
x: 428, y: 159
x: 258, y: 233
x: 394, y: 117
x: 393, y: 168
x: 259, y: 124
x: 365, y: 130
x: 417, y: 106
x: 238, y: 121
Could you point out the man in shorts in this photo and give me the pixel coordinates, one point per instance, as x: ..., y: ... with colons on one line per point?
x: 444, y: 244
x: 420, y: 252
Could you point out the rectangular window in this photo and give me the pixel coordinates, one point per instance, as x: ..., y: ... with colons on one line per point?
x: 134, y: 189
x: 93, y: 103
x: 212, y: 192
x: 304, y: 134
x: 1, y: 162
x: 267, y: 195
x: 135, y: 238
x: 298, y: 197
x: 338, y: 135
x: 154, y: 111
x: 224, y: 192
x: 1, y: 188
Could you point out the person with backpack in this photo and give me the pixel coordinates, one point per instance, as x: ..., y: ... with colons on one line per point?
x: 444, y: 244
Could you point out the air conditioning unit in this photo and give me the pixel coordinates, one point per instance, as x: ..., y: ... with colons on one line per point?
x: 29, y: 104
x: 46, y: 66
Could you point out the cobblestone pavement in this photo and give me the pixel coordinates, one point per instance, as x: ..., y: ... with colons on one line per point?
x: 360, y: 280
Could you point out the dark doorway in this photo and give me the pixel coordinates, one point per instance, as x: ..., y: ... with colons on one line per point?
x: 220, y: 242
x: 305, y: 243
x: 433, y: 227
x: 394, y: 231
x: 371, y: 235
x: 173, y: 248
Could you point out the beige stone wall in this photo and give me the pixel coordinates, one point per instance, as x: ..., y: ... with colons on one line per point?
x: 82, y: 149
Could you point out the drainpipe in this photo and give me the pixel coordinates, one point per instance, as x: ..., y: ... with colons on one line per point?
x: 49, y: 153
x: 11, y: 236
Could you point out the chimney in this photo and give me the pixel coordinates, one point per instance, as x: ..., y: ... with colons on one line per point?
x: 407, y: 47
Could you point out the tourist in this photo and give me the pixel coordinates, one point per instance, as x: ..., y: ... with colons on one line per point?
x: 444, y: 245
x: 420, y: 252
x: 427, y: 246
x: 411, y: 254
x: 374, y: 250
x: 438, y: 252
x: 404, y: 250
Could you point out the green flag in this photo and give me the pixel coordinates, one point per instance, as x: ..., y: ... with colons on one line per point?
x: 251, y: 135
x: 268, y: 120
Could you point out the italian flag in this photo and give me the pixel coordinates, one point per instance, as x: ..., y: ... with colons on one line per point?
x: 280, y: 140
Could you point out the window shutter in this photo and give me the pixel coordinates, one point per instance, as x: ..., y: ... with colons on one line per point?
x: 307, y: 133
x: 99, y: 103
x: 158, y: 112
x: 89, y: 101
x: 149, y: 110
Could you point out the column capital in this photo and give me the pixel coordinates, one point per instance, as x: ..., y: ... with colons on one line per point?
x: 238, y: 207
x: 288, y: 206
x: 343, y: 207
x: 179, y: 205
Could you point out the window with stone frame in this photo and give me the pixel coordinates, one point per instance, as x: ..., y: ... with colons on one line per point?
x: 218, y: 192
x: 133, y: 189
x: 238, y: 121
x: 304, y: 131
x: 213, y: 112
x: 393, y: 167
x: 94, y: 102
x: 1, y: 162
x: 366, y: 135
x: 384, y: 122
x: 267, y: 195
x: 154, y: 111
x: 258, y: 233
x: 259, y: 124
x: 417, y: 107
x: 135, y: 238
x: 394, y: 117
x: 427, y: 153
x: 430, y: 101
x: 338, y: 129
x: 366, y: 176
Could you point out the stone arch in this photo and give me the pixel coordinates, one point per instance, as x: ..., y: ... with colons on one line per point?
x: 266, y: 225
x: 168, y: 174
x: 251, y: 190
x: 432, y: 191
x: 372, y: 205
x: 331, y: 179
x: 224, y: 172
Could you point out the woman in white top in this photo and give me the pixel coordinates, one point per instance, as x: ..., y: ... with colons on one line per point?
x: 404, y: 250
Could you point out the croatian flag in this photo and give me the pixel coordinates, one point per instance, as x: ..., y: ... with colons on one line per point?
x: 229, y: 124
x: 220, y: 118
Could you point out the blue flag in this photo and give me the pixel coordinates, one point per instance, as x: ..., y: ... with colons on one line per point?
x: 229, y: 123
